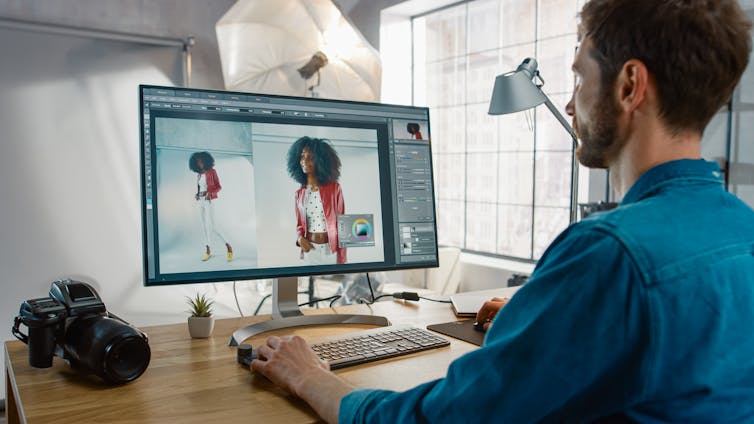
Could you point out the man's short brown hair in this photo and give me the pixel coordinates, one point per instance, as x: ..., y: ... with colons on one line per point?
x: 696, y: 50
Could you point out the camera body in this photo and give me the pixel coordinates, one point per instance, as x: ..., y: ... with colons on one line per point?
x: 73, y: 324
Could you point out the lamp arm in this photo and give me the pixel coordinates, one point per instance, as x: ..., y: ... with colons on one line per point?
x: 561, y: 119
x: 573, y: 210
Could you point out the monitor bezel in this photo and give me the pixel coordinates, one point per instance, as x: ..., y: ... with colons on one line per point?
x: 277, y: 272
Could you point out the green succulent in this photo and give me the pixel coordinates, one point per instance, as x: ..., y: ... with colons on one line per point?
x: 201, y: 306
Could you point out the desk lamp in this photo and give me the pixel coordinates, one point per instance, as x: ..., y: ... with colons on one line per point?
x: 522, y: 90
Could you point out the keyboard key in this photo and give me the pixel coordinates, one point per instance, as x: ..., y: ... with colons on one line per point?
x: 376, y: 344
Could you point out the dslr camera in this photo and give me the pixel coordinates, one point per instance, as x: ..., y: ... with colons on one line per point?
x: 74, y: 324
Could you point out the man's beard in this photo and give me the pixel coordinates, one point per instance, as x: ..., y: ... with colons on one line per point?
x: 600, y: 141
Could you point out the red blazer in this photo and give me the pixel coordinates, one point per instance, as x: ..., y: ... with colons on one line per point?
x: 213, y: 183
x: 332, y: 203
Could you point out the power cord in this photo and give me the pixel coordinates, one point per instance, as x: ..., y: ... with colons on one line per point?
x: 371, y: 292
x: 331, y: 299
x: 411, y: 296
x: 369, y: 283
x: 261, y: 302
x: 435, y: 300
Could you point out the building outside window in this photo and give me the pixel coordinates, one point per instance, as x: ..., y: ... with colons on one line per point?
x: 502, y: 182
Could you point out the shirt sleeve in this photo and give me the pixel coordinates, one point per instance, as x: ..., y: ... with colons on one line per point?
x: 213, y: 182
x: 557, y: 351
x: 340, y: 209
x: 298, y: 199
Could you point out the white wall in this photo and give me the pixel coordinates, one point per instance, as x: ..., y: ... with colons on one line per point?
x: 69, y: 139
x: 71, y: 203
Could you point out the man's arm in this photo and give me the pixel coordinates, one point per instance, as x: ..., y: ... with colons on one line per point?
x: 570, y: 345
x: 290, y: 363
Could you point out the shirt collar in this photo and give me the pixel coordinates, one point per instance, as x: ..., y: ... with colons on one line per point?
x: 677, y: 170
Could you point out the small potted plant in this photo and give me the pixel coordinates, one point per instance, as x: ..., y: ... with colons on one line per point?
x: 201, y: 322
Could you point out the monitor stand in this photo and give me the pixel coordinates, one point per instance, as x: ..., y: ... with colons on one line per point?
x: 286, y: 314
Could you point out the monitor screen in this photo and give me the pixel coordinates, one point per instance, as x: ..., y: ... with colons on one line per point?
x: 241, y: 186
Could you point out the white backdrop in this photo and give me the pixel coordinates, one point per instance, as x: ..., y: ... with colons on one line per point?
x: 179, y: 223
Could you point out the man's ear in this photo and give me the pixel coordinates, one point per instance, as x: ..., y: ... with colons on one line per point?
x: 632, y: 85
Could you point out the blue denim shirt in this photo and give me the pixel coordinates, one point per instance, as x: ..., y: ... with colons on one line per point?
x: 643, y: 312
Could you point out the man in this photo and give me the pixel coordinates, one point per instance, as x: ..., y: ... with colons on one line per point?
x: 642, y: 313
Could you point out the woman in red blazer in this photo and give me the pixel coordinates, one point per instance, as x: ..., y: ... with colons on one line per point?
x: 207, y: 187
x: 314, y: 163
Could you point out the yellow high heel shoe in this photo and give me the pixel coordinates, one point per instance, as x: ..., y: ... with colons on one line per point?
x: 206, y: 256
x: 230, y: 256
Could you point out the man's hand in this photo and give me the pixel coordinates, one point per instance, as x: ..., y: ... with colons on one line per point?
x: 489, y: 309
x: 290, y: 363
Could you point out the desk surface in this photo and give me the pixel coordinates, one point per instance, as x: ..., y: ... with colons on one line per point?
x: 198, y: 380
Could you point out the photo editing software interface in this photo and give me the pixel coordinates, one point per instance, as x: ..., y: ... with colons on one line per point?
x: 241, y: 186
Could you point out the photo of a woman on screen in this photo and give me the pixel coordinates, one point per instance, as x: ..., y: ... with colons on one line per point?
x: 415, y: 130
x: 207, y: 187
x: 314, y: 163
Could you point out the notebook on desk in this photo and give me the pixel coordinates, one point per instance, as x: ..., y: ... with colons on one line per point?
x: 466, y: 305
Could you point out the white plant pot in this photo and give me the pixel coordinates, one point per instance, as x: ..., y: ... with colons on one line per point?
x: 201, y: 327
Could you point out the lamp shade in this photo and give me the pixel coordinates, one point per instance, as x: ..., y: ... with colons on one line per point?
x: 521, y: 90
x: 516, y: 91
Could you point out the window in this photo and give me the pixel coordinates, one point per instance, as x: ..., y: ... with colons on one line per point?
x: 502, y: 183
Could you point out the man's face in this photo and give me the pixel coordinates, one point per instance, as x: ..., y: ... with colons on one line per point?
x: 594, y: 111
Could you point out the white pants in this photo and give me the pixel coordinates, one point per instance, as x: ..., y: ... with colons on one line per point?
x: 320, y: 255
x: 206, y: 211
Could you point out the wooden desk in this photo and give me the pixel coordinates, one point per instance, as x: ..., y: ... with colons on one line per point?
x: 199, y: 381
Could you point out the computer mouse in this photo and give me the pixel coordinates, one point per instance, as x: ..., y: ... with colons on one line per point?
x: 245, y: 354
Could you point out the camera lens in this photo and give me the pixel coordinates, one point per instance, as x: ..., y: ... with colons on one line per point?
x: 126, y: 359
x: 115, y: 351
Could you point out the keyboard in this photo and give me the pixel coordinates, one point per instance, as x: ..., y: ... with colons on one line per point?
x: 364, y: 346
x: 375, y: 344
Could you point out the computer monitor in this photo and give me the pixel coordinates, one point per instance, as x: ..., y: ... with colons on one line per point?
x: 239, y: 186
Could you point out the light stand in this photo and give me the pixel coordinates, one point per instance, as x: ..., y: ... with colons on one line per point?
x: 522, y: 90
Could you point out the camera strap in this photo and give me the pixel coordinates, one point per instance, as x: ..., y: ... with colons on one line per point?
x: 17, y: 331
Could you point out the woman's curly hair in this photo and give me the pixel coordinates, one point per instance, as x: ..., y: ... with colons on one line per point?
x: 324, y: 156
x: 207, y: 160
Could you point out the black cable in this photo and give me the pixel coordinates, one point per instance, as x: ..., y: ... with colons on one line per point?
x: 413, y: 296
x: 333, y: 301
x: 435, y: 300
x: 381, y: 296
x: 331, y: 298
x: 261, y: 302
x: 369, y: 283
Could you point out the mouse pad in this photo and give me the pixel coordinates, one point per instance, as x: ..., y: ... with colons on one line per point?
x: 462, y: 330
